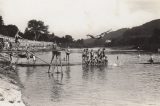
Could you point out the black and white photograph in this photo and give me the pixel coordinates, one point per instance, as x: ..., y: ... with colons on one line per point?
x: 79, y: 52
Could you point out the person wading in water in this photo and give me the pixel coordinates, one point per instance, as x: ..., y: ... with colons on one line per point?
x: 151, y: 59
x: 55, y: 52
x: 67, y: 54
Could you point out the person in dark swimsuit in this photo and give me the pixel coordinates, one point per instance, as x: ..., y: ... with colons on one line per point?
x: 55, y: 52
x: 83, y: 55
x: 91, y: 56
x: 67, y: 54
x: 151, y: 59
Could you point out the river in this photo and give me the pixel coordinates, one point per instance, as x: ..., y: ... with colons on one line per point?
x: 121, y: 83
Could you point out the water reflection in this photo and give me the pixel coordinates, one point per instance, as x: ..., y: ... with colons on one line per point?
x: 56, y: 93
x: 92, y: 72
x: 67, y: 72
x: 57, y: 78
x: 57, y: 89
x: 55, y: 69
x: 30, y: 71
x: 129, y: 83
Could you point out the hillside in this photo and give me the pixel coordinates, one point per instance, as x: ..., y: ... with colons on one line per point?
x: 115, y: 34
x: 146, y: 36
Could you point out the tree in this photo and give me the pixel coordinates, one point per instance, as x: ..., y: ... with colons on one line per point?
x: 37, y: 28
x: 1, y: 21
x: 69, y: 38
x: 11, y: 30
x: 1, y: 25
x: 51, y: 37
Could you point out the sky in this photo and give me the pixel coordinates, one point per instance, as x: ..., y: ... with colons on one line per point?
x: 80, y: 17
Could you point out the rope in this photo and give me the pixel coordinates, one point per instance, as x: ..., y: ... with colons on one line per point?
x: 38, y: 57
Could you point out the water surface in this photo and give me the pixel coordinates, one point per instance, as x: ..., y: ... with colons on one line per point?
x: 120, y: 83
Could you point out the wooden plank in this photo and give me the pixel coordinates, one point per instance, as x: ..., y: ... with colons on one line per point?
x: 150, y: 63
x: 41, y: 64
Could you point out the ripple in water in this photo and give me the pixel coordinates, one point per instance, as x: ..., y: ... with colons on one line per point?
x: 128, y: 84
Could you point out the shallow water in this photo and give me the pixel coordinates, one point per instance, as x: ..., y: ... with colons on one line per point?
x: 121, y: 83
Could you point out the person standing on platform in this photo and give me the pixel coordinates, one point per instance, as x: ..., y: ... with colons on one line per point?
x: 17, y: 37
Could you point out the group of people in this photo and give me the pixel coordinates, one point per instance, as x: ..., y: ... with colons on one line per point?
x: 26, y: 54
x: 90, y: 57
x: 7, y: 44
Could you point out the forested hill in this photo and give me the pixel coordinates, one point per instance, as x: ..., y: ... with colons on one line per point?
x: 146, y: 36
x: 37, y: 30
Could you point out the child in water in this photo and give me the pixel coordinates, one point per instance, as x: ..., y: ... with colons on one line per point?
x: 151, y: 59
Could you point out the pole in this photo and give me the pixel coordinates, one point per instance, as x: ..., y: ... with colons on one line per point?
x: 38, y: 57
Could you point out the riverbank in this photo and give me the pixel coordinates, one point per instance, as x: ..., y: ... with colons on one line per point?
x: 10, y: 91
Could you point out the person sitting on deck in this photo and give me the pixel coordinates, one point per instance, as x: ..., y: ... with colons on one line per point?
x: 87, y: 57
x: 33, y: 57
x: 91, y: 56
x: 83, y: 55
x: 105, y: 60
x: 103, y: 53
x: 99, y: 57
x: 98, y: 53
x: 28, y: 54
x: 95, y: 60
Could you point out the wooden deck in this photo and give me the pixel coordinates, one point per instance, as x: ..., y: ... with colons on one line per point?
x: 44, y: 65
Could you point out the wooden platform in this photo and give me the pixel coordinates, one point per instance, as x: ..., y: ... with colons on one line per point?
x: 43, y: 64
x: 19, y: 51
x: 150, y: 63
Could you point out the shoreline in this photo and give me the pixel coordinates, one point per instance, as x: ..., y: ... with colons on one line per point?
x: 10, y: 89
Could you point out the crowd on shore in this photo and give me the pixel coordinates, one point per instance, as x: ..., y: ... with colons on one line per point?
x: 90, y: 57
x: 10, y: 43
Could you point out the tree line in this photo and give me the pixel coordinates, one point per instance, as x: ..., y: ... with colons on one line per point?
x: 38, y: 31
